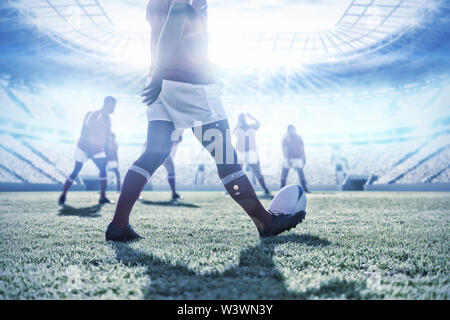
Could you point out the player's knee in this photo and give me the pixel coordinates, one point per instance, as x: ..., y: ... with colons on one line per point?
x: 76, y: 170
x: 103, y: 172
x: 170, y: 172
x: 151, y: 158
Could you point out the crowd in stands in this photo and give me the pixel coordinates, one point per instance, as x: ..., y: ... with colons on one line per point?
x: 412, y: 161
x: 21, y: 167
x: 409, y: 161
x: 443, y: 177
x: 38, y: 162
x: 413, y: 158
x: 425, y: 171
x: 7, y: 176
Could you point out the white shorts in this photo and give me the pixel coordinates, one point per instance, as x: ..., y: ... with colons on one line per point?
x: 293, y: 164
x: 248, y: 157
x: 112, y: 165
x: 81, y: 156
x: 187, y: 105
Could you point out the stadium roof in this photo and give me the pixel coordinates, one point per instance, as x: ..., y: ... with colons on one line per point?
x: 364, y: 26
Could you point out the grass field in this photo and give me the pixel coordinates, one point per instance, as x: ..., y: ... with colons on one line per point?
x: 352, y: 245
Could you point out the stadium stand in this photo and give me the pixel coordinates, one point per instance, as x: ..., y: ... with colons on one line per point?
x: 6, y: 175
x: 412, y: 161
x: 394, y: 156
x: 441, y: 176
x: 22, y: 167
x: 428, y: 170
x: 37, y: 162
x: 40, y: 109
x: 376, y: 158
x: 15, y: 111
x: 403, y: 170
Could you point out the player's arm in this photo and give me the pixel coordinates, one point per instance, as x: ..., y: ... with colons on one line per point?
x: 108, y: 140
x: 84, y: 128
x: 302, y: 151
x: 154, y: 19
x: 235, y: 130
x: 256, y: 125
x: 179, y: 14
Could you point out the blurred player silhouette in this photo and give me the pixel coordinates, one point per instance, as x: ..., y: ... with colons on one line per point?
x: 113, y: 159
x: 181, y: 93
x: 340, y: 164
x: 170, y: 168
x: 294, y: 156
x: 247, y: 149
x: 93, y: 144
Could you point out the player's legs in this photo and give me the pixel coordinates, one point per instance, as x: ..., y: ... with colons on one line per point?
x: 170, y: 168
x: 256, y: 169
x: 302, y: 178
x: 159, y: 143
x: 117, y: 174
x: 284, y: 175
x: 69, y: 181
x: 76, y: 170
x: 230, y: 171
x: 101, y: 165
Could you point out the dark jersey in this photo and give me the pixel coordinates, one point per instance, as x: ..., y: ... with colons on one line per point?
x: 294, y: 146
x: 113, y: 154
x: 95, y: 134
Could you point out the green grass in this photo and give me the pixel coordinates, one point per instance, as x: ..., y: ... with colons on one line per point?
x: 351, y: 246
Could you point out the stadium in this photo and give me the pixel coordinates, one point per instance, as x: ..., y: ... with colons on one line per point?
x: 366, y: 84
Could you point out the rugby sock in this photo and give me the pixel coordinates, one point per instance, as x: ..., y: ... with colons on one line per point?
x: 70, y: 179
x: 117, y: 173
x: 284, y: 175
x: 102, y: 181
x: 67, y: 185
x: 302, y: 179
x: 263, y: 183
x: 135, y: 180
x: 171, y: 180
x: 304, y: 186
x: 241, y: 190
x: 257, y: 172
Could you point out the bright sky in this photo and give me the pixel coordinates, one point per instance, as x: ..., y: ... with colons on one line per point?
x: 243, y: 15
x: 229, y: 19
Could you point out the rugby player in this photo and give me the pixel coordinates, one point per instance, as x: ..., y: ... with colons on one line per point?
x: 170, y: 168
x: 294, y: 156
x: 182, y: 93
x: 93, y: 144
x: 246, y: 147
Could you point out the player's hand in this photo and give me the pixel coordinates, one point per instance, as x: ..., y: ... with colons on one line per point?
x: 153, y: 89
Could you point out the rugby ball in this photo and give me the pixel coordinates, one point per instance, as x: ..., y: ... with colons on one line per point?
x: 289, y: 200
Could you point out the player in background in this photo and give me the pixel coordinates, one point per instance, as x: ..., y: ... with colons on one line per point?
x: 113, y: 159
x: 246, y: 148
x: 294, y: 156
x: 93, y: 144
x: 170, y: 168
x: 182, y: 93
x: 340, y: 164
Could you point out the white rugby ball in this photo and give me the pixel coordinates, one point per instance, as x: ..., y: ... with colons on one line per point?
x: 289, y: 200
